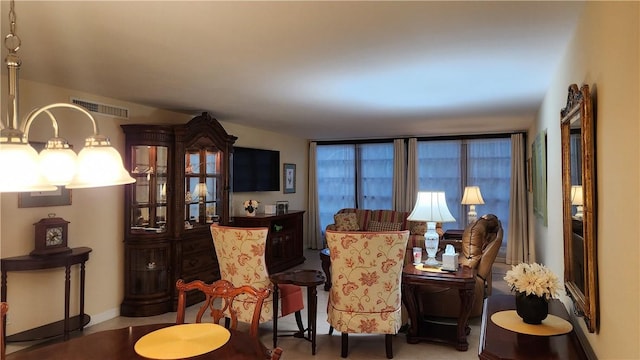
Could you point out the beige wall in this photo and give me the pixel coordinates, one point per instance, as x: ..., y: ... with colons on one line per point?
x: 96, y: 215
x: 292, y: 151
x: 604, y: 55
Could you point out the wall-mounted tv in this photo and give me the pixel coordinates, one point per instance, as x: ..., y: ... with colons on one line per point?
x: 255, y: 170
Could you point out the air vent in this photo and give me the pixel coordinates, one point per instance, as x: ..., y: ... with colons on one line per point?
x: 103, y: 109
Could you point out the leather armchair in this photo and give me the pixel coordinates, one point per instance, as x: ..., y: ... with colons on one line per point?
x: 481, y: 241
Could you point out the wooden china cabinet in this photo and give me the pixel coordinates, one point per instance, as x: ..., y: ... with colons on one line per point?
x: 182, y: 186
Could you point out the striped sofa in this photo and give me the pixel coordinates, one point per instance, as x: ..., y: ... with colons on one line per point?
x: 384, y: 220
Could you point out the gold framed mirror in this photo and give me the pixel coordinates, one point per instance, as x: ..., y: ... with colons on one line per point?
x: 579, y: 206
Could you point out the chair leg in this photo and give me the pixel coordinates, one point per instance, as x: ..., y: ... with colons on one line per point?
x: 345, y: 345
x: 388, y: 344
x: 227, y: 322
x: 299, y: 322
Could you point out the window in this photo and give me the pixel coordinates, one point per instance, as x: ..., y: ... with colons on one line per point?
x: 360, y: 175
x: 354, y: 176
x: 450, y: 165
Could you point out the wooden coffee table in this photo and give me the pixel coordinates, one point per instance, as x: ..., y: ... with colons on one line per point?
x: 421, y: 328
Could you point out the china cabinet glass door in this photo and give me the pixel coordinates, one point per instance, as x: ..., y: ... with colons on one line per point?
x: 149, y: 204
x: 203, y: 190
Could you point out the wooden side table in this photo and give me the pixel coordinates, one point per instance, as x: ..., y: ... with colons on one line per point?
x: 310, y: 279
x: 29, y: 262
x: 498, y: 343
x: 325, y: 259
x: 421, y: 328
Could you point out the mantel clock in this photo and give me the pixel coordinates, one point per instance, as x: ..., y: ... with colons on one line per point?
x: 51, y: 236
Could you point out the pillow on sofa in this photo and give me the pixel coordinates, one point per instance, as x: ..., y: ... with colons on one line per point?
x: 417, y: 227
x: 346, y: 222
x: 383, y: 226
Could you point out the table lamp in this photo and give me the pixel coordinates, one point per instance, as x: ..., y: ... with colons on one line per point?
x: 472, y: 197
x: 201, y: 191
x: 431, y: 207
x: 576, y: 199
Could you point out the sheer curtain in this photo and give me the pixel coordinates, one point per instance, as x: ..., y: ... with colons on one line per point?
x: 354, y: 176
x: 374, y: 175
x: 411, y: 194
x: 315, y: 239
x: 336, y: 177
x: 519, y: 248
x: 450, y: 165
x: 439, y: 169
x: 399, y: 175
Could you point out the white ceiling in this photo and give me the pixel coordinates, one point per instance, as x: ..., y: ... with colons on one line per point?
x: 318, y: 70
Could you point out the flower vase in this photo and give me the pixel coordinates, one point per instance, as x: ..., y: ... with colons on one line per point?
x: 252, y: 213
x: 531, y: 308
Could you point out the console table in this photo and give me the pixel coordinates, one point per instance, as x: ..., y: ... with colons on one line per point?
x: 30, y: 262
x: 499, y: 343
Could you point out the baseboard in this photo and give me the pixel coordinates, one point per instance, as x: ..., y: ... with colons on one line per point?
x: 582, y: 338
x: 103, y: 316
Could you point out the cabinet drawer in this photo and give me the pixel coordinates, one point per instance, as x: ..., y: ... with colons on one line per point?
x: 197, y: 246
x: 197, y: 261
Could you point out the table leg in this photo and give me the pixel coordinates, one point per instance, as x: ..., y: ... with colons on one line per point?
x: 67, y: 291
x: 466, y: 301
x: 276, y: 297
x: 3, y: 298
x: 312, y: 300
x: 325, y: 261
x: 82, y: 278
x: 410, y: 302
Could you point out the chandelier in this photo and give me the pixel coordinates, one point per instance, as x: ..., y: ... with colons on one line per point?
x: 23, y: 169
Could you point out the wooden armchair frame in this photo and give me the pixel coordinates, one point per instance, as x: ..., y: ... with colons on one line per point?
x: 225, y: 291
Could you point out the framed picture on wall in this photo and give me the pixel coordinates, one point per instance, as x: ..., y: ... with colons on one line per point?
x: 59, y: 197
x: 539, y: 176
x: 289, y: 178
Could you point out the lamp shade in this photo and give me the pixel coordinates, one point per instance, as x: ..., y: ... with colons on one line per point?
x: 20, y: 169
x: 99, y: 166
x: 472, y: 196
x: 58, y: 166
x: 431, y: 206
x: 201, y: 190
x: 576, y: 195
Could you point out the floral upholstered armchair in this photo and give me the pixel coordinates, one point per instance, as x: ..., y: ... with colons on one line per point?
x: 366, y: 272
x: 241, y: 257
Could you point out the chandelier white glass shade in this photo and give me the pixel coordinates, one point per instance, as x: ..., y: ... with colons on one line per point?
x: 577, y: 200
x: 22, y: 169
x: 472, y: 197
x: 432, y: 208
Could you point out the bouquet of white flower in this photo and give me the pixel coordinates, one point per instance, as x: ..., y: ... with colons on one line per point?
x: 251, y: 205
x: 533, y: 279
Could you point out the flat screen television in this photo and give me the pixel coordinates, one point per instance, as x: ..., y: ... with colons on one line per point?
x: 255, y: 170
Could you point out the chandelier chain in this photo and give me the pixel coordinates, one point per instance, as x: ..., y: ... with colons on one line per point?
x: 12, y: 41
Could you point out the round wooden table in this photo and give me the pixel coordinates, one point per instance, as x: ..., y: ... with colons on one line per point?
x: 119, y: 343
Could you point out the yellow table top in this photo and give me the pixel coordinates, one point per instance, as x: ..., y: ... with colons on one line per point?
x: 182, y: 341
x: 552, y: 325
x: 423, y: 267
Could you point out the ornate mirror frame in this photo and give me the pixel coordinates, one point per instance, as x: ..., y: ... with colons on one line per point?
x: 578, y: 168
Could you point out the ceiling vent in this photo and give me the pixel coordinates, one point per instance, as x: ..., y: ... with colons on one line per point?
x: 102, y: 109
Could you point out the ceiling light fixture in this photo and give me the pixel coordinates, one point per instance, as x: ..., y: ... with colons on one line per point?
x: 22, y: 169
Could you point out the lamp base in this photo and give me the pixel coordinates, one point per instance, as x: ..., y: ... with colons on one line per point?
x: 431, y: 243
x: 432, y: 262
x: 472, y: 215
